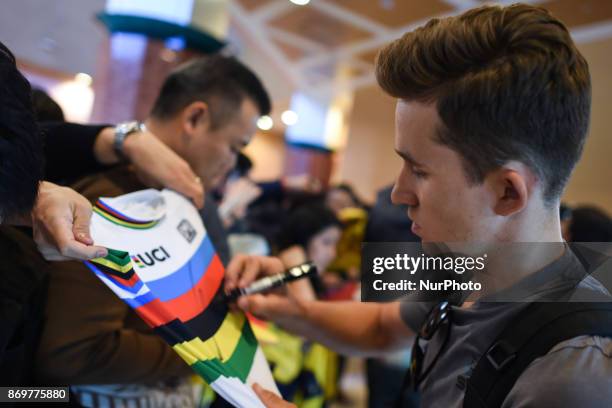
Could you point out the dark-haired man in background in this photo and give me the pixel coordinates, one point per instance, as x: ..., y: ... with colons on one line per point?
x: 206, y: 112
x: 492, y: 114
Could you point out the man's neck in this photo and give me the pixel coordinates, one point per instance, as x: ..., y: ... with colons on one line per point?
x: 525, y: 252
x: 164, y: 130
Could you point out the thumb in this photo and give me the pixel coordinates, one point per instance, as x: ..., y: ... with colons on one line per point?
x: 80, y: 222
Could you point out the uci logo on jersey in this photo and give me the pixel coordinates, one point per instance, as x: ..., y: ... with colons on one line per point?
x: 149, y: 258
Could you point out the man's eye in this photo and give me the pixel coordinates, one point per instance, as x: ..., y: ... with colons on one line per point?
x: 418, y: 173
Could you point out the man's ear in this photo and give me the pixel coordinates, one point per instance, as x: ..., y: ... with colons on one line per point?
x: 195, y: 115
x: 513, y: 184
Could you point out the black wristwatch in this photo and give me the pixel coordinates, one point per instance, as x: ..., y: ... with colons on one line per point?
x: 122, y: 131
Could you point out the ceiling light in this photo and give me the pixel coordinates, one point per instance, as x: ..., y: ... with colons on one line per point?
x: 265, y: 123
x: 289, y: 117
x: 300, y: 2
x: 83, y: 78
x: 167, y: 55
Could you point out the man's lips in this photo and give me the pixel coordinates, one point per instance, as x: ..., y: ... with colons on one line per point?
x: 416, y: 228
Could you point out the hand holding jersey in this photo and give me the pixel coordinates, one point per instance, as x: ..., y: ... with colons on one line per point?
x: 171, y: 278
x: 60, y: 222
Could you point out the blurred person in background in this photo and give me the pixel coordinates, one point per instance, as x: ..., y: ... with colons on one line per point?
x: 387, y: 222
x: 305, y: 372
x: 310, y: 232
x: 588, y: 224
x: 342, y: 196
x: 353, y: 214
x: 345, y: 268
x: 266, y: 214
x: 238, y: 192
x: 565, y: 216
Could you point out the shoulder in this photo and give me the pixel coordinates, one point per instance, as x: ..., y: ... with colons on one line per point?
x: 576, y: 372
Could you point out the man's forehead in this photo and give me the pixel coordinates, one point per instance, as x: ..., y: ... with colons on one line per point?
x: 416, y: 124
x: 416, y: 137
x: 417, y: 113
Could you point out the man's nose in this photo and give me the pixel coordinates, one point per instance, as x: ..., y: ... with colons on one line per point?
x: 402, y: 193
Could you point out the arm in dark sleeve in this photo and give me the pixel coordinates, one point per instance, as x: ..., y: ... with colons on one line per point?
x: 69, y: 150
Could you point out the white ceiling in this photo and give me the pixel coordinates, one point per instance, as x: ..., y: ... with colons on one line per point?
x: 62, y: 35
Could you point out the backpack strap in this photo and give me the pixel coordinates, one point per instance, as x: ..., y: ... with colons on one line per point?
x: 532, y: 334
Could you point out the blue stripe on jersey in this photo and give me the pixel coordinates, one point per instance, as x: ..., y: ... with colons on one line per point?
x: 134, y: 302
x: 141, y: 300
x: 186, y: 277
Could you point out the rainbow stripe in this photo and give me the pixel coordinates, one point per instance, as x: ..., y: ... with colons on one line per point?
x: 116, y: 217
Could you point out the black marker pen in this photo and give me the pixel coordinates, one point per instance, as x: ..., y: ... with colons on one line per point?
x: 269, y: 282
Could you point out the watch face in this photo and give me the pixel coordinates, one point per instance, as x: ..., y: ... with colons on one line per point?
x: 128, y: 127
x: 123, y: 130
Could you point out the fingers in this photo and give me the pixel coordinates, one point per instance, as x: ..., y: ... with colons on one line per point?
x: 233, y: 271
x: 76, y: 251
x: 82, y: 217
x: 57, y: 242
x: 160, y: 165
x: 270, y: 399
x: 269, y: 307
x: 251, y: 271
x: 187, y: 183
x: 244, y: 269
x: 79, y: 251
x: 60, y: 221
x: 65, y: 248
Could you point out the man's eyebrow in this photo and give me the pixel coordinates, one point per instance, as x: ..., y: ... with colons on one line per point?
x: 408, y: 157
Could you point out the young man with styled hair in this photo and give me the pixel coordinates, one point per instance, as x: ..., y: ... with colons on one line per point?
x: 492, y: 115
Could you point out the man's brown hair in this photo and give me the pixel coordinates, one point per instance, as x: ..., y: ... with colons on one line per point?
x: 509, y: 84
